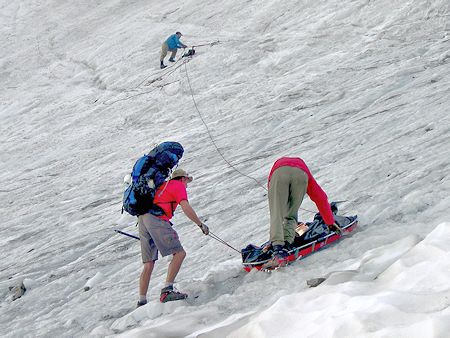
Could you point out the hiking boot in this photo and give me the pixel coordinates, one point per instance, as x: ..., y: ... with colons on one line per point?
x: 288, y: 246
x: 163, y: 66
x: 169, y: 294
x: 141, y: 302
x: 172, y: 60
x: 280, y: 255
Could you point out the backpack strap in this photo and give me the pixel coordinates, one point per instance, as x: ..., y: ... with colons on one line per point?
x: 167, y: 182
x: 172, y: 203
x: 164, y: 188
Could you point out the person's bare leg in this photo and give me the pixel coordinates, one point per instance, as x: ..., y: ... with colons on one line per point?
x: 144, y: 280
x: 175, y: 266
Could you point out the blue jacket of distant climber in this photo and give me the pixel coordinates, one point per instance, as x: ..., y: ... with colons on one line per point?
x: 173, y: 42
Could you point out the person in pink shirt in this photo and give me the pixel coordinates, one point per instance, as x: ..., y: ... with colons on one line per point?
x: 289, y: 180
x: 157, y: 235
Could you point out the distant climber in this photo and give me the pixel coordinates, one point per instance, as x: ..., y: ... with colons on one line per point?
x: 171, y: 45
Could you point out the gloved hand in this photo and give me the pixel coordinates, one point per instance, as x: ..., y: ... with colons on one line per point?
x: 336, y: 228
x: 204, y: 228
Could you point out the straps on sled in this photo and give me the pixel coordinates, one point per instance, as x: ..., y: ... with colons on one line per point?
x: 189, y: 52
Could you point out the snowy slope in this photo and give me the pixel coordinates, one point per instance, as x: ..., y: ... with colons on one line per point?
x: 358, y: 89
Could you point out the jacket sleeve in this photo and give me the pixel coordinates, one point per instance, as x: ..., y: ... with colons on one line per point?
x: 178, y: 42
x: 320, y: 198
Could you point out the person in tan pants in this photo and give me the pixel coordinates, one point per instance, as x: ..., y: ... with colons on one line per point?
x: 171, y: 45
x: 287, y: 189
x: 289, y: 180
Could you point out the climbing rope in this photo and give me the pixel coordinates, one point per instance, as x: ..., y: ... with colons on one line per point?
x: 212, y: 139
x: 215, y: 145
x: 159, y: 77
x: 161, y: 74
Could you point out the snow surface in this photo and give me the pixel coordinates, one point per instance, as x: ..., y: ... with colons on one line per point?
x: 359, y: 89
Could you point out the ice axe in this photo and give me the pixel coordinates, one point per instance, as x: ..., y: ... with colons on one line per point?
x: 208, y: 44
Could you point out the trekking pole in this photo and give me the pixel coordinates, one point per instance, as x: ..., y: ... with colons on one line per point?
x: 126, y: 234
x: 222, y: 241
x: 210, y: 234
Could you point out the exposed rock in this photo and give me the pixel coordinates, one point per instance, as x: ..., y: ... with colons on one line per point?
x: 312, y: 283
x: 17, y: 291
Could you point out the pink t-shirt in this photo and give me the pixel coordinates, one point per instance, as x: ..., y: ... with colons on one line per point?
x: 168, y: 196
x: 314, y: 191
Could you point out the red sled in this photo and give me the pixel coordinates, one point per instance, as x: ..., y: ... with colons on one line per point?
x: 254, y: 257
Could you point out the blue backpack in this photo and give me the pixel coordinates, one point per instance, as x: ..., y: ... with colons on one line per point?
x: 149, y: 173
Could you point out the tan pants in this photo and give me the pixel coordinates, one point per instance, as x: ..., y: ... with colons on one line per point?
x: 165, y: 49
x: 286, y: 191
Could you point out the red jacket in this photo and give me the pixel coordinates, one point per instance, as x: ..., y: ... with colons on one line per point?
x: 313, y: 190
